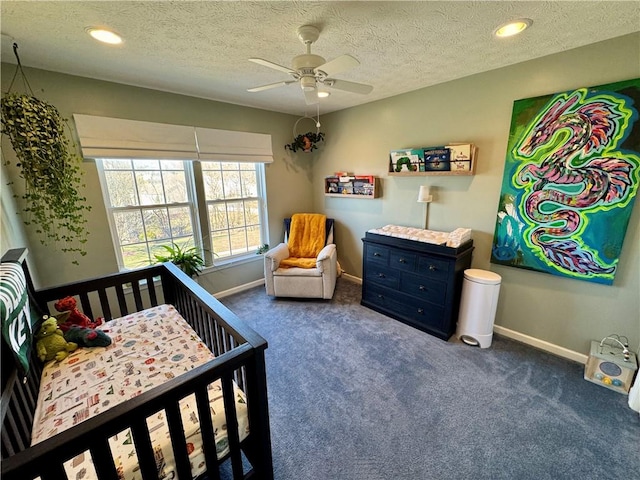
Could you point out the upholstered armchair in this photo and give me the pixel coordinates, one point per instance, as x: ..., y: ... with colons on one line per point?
x: 303, y: 277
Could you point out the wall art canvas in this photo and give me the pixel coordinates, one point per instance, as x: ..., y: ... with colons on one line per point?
x: 571, y: 176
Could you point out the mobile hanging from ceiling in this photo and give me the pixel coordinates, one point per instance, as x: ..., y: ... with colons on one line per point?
x: 313, y: 72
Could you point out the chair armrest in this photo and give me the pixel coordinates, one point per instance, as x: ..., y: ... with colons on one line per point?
x: 274, y: 256
x: 327, y: 253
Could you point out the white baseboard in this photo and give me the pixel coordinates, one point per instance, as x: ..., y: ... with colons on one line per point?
x: 541, y: 344
x: 352, y: 278
x: 240, y: 288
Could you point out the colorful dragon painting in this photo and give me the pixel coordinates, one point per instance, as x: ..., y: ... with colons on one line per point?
x: 570, y: 182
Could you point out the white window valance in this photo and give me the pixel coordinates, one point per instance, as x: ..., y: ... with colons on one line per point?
x: 105, y: 137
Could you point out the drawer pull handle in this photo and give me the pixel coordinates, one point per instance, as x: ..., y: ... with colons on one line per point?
x: 432, y: 268
x: 376, y: 254
x: 422, y: 288
x: 402, y: 260
x: 381, y: 275
x: 421, y: 311
x: 380, y: 296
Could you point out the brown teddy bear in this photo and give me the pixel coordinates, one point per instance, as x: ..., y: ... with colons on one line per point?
x: 75, y: 317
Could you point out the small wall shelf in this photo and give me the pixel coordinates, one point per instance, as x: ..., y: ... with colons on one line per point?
x: 352, y: 186
x: 452, y: 160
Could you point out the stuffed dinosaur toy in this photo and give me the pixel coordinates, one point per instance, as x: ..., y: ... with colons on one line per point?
x: 50, y: 342
x: 75, y: 317
x: 87, y: 337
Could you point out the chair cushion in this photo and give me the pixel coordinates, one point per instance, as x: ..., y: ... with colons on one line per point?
x: 298, y: 272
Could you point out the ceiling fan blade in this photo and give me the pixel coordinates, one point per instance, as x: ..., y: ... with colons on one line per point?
x: 270, y: 85
x: 337, y: 65
x: 352, y: 87
x: 311, y: 96
x: 275, y: 66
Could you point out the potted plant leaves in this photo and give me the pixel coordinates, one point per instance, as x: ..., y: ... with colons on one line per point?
x: 306, y: 142
x: 187, y: 259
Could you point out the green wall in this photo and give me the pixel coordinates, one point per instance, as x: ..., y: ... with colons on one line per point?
x: 477, y: 109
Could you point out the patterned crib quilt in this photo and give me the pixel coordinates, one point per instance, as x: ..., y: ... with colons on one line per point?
x: 148, y: 348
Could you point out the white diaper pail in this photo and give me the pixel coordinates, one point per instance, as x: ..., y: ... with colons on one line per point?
x: 478, y: 304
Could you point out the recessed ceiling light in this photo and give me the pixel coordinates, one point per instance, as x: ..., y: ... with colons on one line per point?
x: 105, y: 36
x: 513, y: 28
x: 323, y: 94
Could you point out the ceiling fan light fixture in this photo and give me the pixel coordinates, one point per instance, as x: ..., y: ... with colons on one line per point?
x: 513, y: 28
x: 308, y: 83
x: 323, y: 94
x: 105, y: 36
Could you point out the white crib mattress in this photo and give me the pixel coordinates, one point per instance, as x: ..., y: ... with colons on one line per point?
x: 148, y: 348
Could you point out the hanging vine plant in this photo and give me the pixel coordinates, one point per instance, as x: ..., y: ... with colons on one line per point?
x: 50, y: 166
x: 306, y: 142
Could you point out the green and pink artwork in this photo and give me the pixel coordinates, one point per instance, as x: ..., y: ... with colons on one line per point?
x: 571, y: 176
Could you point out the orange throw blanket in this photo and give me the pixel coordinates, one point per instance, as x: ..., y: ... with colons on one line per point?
x: 306, y: 238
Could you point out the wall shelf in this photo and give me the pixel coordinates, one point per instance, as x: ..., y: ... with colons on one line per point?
x: 352, y: 186
x: 449, y: 160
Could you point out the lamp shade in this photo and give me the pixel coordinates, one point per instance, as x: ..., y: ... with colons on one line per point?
x: 423, y: 195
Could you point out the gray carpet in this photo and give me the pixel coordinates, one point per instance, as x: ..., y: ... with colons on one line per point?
x: 356, y: 395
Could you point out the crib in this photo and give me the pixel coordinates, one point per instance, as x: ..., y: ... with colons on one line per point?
x: 239, y: 362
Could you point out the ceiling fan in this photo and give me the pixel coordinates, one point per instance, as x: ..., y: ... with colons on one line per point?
x: 313, y: 71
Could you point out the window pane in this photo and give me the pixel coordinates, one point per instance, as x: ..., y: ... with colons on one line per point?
x: 238, y: 240
x: 175, y: 187
x: 172, y: 165
x: 220, y: 242
x: 213, y: 185
x: 218, y: 217
x: 121, y: 188
x: 135, y: 256
x: 114, y: 164
x: 156, y: 223
x: 146, y: 164
x: 253, y: 237
x: 232, y: 187
x: 180, y: 219
x: 229, y: 165
x: 235, y: 213
x: 129, y: 228
x: 249, y: 184
x: 150, y: 188
x: 251, y: 212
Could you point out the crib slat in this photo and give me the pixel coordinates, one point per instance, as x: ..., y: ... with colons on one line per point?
x: 54, y: 471
x: 103, y: 459
x: 7, y: 443
x: 178, y: 441
x: 151, y: 287
x: 104, y: 304
x: 206, y: 432
x: 144, y: 449
x: 232, y: 425
x: 86, y: 305
x: 122, y: 302
x: 135, y: 287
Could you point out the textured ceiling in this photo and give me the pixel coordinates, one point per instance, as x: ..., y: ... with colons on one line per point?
x: 200, y: 48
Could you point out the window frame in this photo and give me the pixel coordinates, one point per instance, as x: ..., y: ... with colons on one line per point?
x: 197, y: 202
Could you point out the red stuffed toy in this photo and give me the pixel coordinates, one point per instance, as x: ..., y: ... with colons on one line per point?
x: 75, y: 317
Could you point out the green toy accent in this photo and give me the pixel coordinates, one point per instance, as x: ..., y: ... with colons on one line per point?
x: 405, y: 161
x: 51, y: 344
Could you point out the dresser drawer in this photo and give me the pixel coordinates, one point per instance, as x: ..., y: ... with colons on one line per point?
x: 383, y: 276
x: 403, y: 261
x: 411, y: 310
x: 377, y: 254
x: 433, y: 267
x: 424, y: 288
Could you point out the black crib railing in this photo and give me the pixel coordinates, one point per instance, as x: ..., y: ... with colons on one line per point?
x: 239, y: 357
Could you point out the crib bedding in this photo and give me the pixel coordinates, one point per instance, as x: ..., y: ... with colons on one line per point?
x: 147, y: 349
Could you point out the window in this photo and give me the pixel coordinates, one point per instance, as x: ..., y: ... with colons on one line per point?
x: 151, y: 203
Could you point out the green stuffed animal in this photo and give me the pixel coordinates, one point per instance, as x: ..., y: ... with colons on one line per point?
x: 51, y: 343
